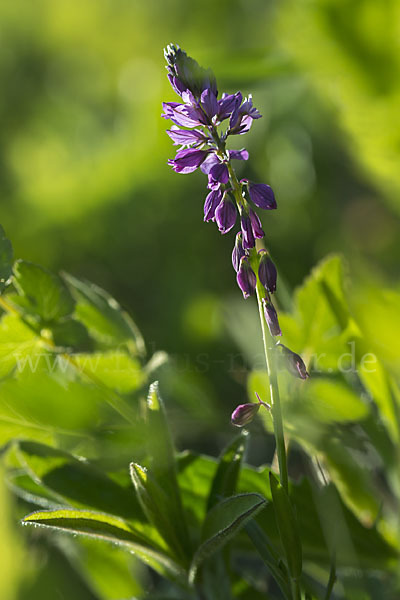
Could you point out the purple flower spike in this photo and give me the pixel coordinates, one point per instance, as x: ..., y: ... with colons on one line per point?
x: 237, y: 252
x: 258, y: 231
x: 262, y: 195
x: 294, y: 363
x: 271, y: 318
x: 187, y: 160
x: 219, y: 172
x: 247, y: 232
x: 244, y: 414
x: 225, y: 215
x: 211, y: 203
x: 267, y: 272
x: 246, y: 278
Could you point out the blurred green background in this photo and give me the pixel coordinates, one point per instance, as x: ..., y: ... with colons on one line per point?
x: 84, y: 184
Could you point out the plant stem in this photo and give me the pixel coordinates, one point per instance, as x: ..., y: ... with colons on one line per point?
x: 274, y: 393
x: 269, y: 350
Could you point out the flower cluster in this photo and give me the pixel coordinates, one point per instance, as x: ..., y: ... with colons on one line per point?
x: 202, y: 122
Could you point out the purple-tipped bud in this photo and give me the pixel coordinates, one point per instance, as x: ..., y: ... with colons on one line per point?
x: 267, y: 272
x: 271, y: 318
x: 246, y: 278
x: 210, y: 205
x: 185, y: 73
x: 244, y: 413
x: 247, y: 232
x: 225, y: 215
x: 294, y: 363
x: 237, y: 252
x: 262, y: 195
x: 258, y: 231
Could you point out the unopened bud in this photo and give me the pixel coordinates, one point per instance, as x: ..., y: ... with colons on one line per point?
x: 294, y: 363
x: 267, y: 272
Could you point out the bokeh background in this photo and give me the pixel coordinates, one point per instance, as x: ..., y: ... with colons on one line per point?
x: 84, y: 184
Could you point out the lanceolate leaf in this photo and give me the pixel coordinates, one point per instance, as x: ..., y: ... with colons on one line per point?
x: 226, y: 477
x: 163, y: 468
x: 157, y: 507
x: 287, y: 526
x: 110, y: 529
x: 222, y: 523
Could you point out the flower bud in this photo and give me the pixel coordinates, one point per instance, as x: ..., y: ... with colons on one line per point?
x: 247, y: 232
x: 294, y: 363
x: 267, y: 272
x: 244, y: 413
x: 211, y: 203
x: 246, y: 278
x: 256, y: 226
x: 271, y: 318
x: 225, y: 215
x: 237, y: 252
x: 262, y: 195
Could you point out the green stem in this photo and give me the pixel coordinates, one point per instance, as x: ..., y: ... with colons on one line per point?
x: 274, y: 393
x: 269, y: 350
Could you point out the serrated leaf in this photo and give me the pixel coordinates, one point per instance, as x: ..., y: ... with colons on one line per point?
x: 222, y: 523
x: 107, y: 528
x: 287, y: 526
x: 43, y: 295
x: 103, y: 317
x: 6, y: 257
x: 227, y: 474
x: 163, y: 467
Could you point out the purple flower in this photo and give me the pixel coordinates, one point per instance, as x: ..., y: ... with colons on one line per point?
x: 244, y: 413
x: 213, y: 199
x: 209, y: 103
x: 294, y: 363
x: 226, y: 105
x: 182, y: 114
x: 258, y: 231
x: 185, y: 137
x: 267, y: 272
x: 239, y: 154
x: 262, y: 195
x: 225, y: 215
x: 247, y: 232
x: 246, y: 278
x: 211, y: 160
x: 271, y: 318
x: 187, y: 160
x: 242, y: 116
x: 220, y: 173
x: 237, y: 252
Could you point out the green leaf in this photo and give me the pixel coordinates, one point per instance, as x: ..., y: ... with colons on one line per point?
x: 116, y: 370
x: 158, y: 509
x: 43, y: 295
x: 163, y: 467
x: 287, y: 525
x: 76, y: 481
x: 227, y: 475
x: 6, y: 257
x: 222, y: 523
x: 328, y: 401
x: 107, y: 528
x: 103, y: 317
x: 17, y: 343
